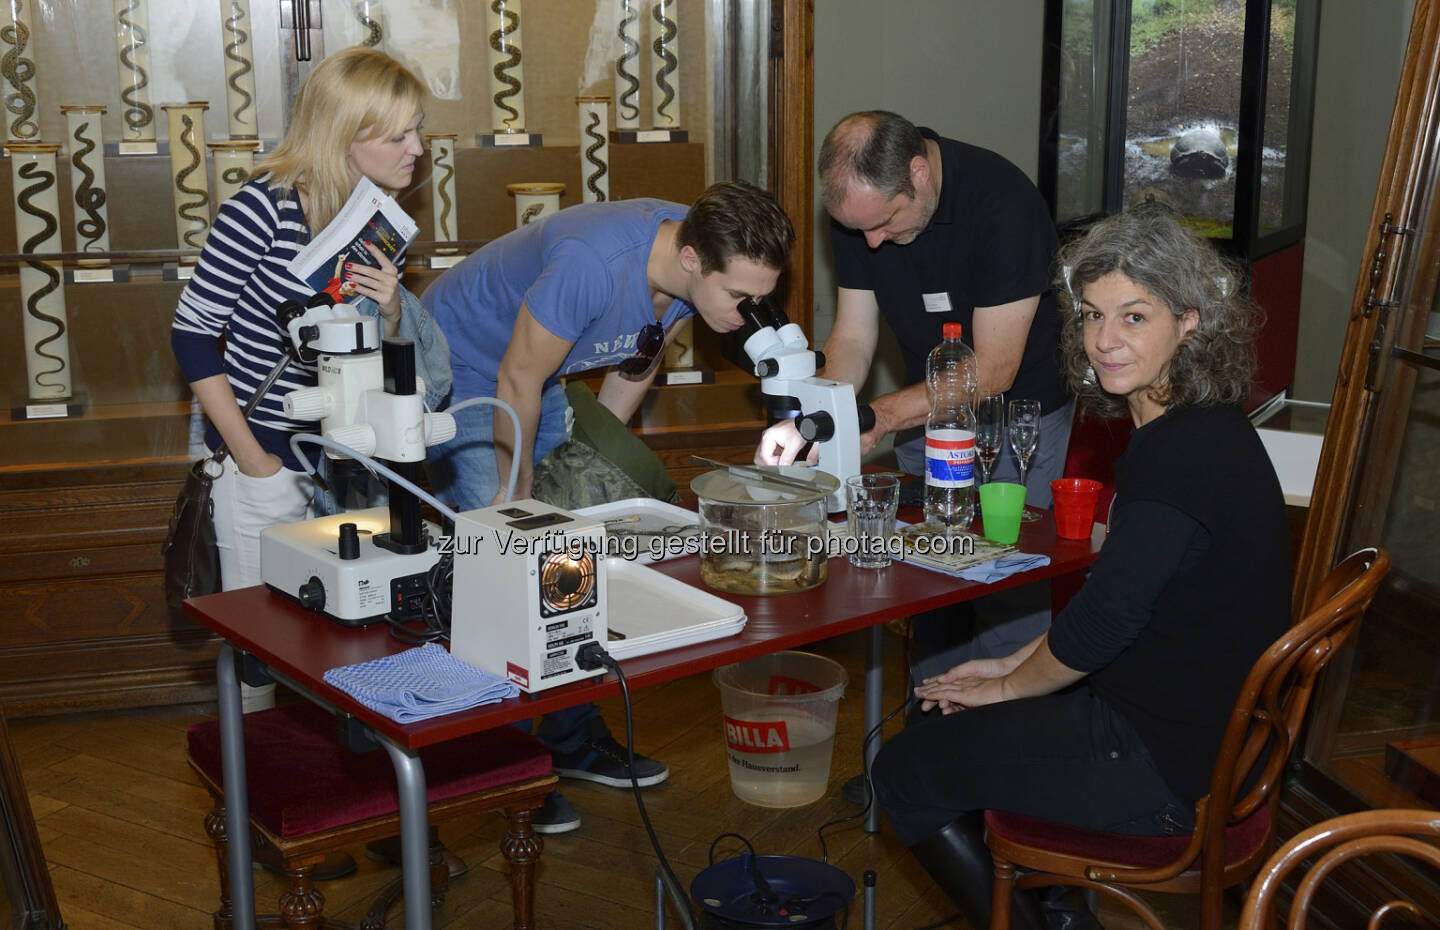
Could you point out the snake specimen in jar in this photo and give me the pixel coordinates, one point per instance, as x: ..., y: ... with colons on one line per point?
x: 18, y: 71
x: 23, y: 200
x: 530, y: 212
x: 238, y: 38
x: 373, y: 33
x: 138, y: 113
x: 88, y: 197
x: 661, y: 47
x: 590, y: 150
x: 235, y: 175
x: 441, y: 160
x: 626, y: 104
x: 509, y: 25
x: 195, y: 235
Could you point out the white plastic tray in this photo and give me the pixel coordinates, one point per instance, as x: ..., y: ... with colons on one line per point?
x: 655, y: 612
x: 650, y: 517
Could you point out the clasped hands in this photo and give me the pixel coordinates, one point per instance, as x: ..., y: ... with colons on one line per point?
x: 969, y: 684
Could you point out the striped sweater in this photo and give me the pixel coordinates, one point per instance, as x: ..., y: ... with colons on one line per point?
x: 241, y: 278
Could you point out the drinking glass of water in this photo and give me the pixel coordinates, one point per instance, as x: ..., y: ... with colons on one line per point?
x: 1024, y: 433
x: 872, y: 501
x: 989, y: 433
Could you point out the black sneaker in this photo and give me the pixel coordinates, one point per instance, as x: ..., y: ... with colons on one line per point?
x: 556, y: 815
x: 601, y: 759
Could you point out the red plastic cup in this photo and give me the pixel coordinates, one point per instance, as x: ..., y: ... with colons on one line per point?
x: 1075, y: 500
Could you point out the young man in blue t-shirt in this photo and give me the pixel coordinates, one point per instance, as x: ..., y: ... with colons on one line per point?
x: 599, y: 285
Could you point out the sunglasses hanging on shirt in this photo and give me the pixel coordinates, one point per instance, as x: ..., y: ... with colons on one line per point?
x: 647, y: 349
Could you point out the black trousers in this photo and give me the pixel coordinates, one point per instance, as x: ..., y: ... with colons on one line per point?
x: 1065, y: 757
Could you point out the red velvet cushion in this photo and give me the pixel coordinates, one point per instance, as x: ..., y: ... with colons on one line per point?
x: 301, y: 781
x: 1142, y: 852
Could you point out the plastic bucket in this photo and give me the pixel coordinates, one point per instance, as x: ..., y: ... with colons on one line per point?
x: 780, y: 726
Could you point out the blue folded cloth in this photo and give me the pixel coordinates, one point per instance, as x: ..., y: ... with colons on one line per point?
x: 419, y: 684
x: 1004, y: 567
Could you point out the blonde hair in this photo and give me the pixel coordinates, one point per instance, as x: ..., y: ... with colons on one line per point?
x: 352, y: 95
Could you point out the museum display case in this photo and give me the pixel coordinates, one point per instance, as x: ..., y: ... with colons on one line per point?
x: 1374, y: 737
x: 126, y: 121
x: 1203, y: 105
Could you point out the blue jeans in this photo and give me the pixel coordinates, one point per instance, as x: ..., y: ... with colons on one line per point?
x: 463, y: 473
x: 998, y: 624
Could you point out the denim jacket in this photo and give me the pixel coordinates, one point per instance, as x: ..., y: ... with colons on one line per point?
x: 432, y: 351
x: 352, y: 487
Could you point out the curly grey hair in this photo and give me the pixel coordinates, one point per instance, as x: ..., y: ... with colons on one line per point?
x: 1149, y: 245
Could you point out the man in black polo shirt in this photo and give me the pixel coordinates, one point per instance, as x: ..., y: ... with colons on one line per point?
x: 929, y: 231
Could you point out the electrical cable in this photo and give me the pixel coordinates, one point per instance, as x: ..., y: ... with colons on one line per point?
x: 593, y: 655
x: 434, y: 609
x: 869, y: 787
x: 514, y: 422
x: 870, y: 801
x: 374, y: 465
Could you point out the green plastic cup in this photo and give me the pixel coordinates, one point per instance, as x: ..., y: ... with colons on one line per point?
x: 1001, y: 504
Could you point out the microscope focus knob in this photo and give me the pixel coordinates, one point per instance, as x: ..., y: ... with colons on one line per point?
x: 816, y: 427
x: 767, y: 368
x: 311, y: 403
x: 358, y: 436
x: 312, y: 594
x: 439, y: 427
x: 349, y: 542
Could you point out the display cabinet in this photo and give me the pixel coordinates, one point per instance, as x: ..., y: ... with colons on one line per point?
x: 1204, y: 106
x: 126, y: 121
x: 1374, y: 737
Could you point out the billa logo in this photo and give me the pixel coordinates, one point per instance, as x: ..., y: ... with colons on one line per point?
x: 518, y: 675
x: 784, y: 684
x: 756, y: 736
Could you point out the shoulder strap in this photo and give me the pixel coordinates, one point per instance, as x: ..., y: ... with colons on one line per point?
x: 221, y: 451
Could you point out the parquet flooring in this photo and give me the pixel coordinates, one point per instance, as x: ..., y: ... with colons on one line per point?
x: 120, y: 817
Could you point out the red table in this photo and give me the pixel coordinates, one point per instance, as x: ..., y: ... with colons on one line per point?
x: 298, y: 647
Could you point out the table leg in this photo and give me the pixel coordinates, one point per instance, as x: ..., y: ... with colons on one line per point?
x: 414, y: 835
x: 874, y: 708
x: 237, y: 801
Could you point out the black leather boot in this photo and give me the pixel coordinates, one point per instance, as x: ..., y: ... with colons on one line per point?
x: 957, y: 858
x: 1065, y: 907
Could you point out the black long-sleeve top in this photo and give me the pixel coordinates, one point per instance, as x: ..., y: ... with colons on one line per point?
x: 1193, y: 584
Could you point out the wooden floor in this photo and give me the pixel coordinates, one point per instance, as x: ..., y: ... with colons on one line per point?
x: 120, y: 816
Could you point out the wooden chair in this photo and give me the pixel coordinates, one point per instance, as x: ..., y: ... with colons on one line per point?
x: 1235, y: 823
x: 309, y: 796
x: 1335, y: 842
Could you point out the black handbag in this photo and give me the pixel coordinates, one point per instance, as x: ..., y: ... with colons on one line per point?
x: 192, y: 561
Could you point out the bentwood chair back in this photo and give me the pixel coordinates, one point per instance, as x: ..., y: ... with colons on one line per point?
x: 1332, y: 843
x: 1235, y: 823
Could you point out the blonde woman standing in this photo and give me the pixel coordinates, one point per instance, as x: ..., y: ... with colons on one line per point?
x: 357, y: 115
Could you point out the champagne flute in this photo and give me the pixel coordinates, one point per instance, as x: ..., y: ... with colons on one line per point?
x: 1024, y: 433
x: 989, y: 433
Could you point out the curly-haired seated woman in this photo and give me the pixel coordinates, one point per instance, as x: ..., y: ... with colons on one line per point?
x: 1112, y: 720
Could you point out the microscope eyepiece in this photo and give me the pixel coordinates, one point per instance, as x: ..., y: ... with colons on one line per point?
x: 754, y: 313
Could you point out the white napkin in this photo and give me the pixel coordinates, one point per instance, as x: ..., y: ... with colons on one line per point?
x: 1004, y: 567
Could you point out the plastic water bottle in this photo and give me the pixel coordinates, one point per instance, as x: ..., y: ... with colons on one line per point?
x: 951, y: 374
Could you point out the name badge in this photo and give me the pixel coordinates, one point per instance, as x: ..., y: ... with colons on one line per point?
x: 936, y: 303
